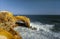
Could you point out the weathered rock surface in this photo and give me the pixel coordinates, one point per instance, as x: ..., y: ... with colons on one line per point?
x: 8, y: 22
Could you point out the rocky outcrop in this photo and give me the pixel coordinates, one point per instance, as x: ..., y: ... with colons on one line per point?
x: 8, y: 22
x: 9, y: 17
x: 24, y: 19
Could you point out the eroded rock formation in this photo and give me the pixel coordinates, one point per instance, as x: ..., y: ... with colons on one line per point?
x: 8, y: 22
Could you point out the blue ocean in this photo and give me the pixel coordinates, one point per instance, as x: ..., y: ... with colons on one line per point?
x: 48, y: 27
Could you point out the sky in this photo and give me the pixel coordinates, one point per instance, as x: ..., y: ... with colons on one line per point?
x: 31, y: 7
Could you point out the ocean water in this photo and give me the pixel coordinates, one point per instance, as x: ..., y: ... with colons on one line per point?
x: 48, y: 27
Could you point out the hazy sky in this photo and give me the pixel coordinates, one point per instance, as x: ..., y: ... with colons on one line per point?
x: 28, y: 7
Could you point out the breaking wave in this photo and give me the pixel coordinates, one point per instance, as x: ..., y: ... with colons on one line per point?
x: 41, y: 26
x: 43, y: 31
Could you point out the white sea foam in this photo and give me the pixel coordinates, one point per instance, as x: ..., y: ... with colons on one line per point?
x: 39, y: 26
x: 38, y: 34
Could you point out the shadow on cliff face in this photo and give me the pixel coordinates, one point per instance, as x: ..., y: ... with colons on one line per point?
x: 20, y: 23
